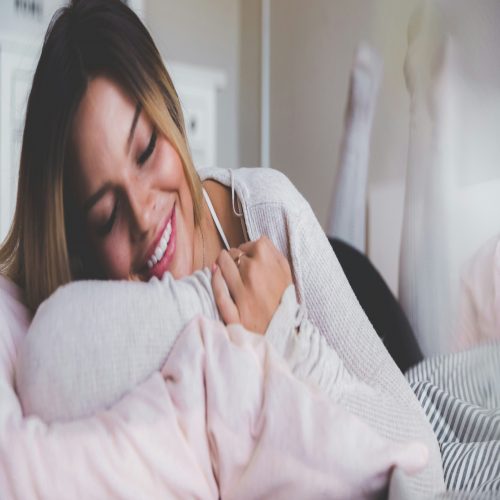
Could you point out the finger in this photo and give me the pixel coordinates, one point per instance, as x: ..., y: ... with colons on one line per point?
x: 227, y: 308
x: 240, y: 259
x: 252, y: 248
x: 231, y: 275
x: 248, y: 248
x: 235, y: 253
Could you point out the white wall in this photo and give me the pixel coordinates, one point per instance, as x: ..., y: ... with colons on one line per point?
x: 250, y: 82
x: 311, y: 52
x: 312, y: 46
x: 204, y: 33
x: 21, y: 23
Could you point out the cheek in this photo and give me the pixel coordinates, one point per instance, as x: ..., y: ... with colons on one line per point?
x: 171, y: 173
x: 114, y: 255
x: 174, y: 181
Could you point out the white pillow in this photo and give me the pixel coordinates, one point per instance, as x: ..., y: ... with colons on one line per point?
x: 14, y: 322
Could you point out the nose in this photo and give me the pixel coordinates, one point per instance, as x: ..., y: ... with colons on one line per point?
x: 142, y: 206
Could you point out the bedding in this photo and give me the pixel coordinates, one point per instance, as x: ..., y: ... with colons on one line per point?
x: 460, y: 394
x: 271, y: 206
x: 479, y: 297
x: 182, y: 433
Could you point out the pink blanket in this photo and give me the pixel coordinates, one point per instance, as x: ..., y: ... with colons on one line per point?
x: 224, y: 418
x: 478, y: 318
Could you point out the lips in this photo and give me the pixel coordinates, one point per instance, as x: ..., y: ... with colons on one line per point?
x: 161, y: 248
x: 161, y: 252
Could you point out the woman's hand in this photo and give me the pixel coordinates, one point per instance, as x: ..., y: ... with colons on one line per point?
x: 248, y: 283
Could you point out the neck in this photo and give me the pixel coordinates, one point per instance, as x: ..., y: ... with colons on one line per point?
x: 208, y: 244
x: 211, y: 241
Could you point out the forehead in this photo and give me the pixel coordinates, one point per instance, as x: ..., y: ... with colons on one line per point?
x: 100, y: 130
x: 104, y: 113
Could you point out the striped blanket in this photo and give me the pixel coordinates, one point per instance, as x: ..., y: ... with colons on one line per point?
x: 460, y: 394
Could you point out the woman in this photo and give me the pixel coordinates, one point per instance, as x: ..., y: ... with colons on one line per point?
x: 107, y: 189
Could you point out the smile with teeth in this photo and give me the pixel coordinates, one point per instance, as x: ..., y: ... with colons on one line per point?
x: 162, y: 246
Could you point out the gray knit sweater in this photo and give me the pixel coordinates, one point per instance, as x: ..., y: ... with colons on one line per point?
x: 120, y: 343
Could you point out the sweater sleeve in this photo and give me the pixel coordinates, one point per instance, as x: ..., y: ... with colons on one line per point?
x: 307, y: 353
x: 92, y: 341
x: 389, y: 405
x: 374, y: 390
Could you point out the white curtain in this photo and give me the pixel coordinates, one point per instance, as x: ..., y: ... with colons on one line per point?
x: 452, y: 201
x: 347, y: 214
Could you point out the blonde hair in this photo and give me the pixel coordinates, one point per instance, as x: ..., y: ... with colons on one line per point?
x: 85, y: 39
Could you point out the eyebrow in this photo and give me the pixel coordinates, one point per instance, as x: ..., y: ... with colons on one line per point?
x: 107, y: 186
x: 137, y: 113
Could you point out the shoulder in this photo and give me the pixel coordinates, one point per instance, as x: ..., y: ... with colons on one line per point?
x: 267, y: 184
x: 258, y: 186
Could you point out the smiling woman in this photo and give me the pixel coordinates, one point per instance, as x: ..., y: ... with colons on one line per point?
x: 108, y: 190
x: 130, y: 185
x: 101, y: 100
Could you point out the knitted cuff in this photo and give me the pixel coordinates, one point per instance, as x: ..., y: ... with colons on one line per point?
x: 284, y: 321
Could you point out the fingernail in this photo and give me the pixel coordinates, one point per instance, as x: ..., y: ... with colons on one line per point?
x: 214, y: 267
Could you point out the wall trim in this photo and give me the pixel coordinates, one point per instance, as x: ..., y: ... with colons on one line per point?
x: 265, y: 125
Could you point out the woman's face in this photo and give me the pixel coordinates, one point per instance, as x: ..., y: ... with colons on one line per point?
x: 130, y: 185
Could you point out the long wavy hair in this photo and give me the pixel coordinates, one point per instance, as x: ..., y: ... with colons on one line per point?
x: 87, y: 38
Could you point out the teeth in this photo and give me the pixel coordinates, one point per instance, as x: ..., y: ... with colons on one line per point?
x: 162, y: 246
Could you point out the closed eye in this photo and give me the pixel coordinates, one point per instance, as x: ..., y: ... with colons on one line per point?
x: 106, y: 228
x: 149, y: 149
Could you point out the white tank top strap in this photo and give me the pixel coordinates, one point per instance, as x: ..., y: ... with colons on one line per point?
x: 236, y: 212
x: 216, y: 219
